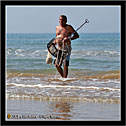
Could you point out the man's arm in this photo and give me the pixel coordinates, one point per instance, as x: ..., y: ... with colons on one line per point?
x: 75, y: 34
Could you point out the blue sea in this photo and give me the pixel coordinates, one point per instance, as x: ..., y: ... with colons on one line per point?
x: 94, y: 71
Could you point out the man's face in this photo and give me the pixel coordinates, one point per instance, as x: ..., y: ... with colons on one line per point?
x: 62, y: 21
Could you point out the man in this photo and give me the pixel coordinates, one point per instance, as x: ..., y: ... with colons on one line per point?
x: 63, y: 31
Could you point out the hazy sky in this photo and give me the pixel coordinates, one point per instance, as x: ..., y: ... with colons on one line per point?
x: 44, y: 19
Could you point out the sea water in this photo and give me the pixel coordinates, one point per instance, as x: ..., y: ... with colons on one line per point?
x: 94, y: 71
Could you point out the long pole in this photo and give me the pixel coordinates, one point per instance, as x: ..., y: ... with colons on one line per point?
x: 86, y: 21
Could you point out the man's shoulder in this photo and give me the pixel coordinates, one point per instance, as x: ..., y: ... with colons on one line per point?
x: 57, y: 27
x: 69, y: 26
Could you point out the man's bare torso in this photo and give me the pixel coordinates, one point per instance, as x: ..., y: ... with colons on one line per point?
x: 61, y: 34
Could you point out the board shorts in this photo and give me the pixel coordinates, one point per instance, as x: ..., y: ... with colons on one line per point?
x: 65, y: 60
x: 65, y: 57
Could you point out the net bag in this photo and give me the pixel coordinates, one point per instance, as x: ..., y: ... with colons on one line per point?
x: 49, y: 58
x: 51, y: 48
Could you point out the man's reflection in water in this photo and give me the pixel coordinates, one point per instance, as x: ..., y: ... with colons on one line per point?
x: 62, y: 110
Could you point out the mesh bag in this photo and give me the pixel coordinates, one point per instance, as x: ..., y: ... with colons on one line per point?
x: 49, y: 58
x: 51, y: 48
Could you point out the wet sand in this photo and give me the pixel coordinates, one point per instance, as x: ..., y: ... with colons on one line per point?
x: 37, y: 110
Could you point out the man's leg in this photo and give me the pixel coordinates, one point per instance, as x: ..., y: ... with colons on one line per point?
x: 59, y: 69
x: 65, y: 73
x: 66, y: 64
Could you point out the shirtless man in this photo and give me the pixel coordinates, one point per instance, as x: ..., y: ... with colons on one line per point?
x: 63, y: 31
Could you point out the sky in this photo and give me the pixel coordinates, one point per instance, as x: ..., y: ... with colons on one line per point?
x: 44, y: 19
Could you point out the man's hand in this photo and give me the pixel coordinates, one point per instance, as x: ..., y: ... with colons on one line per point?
x: 66, y: 39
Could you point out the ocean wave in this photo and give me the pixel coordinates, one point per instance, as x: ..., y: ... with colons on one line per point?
x: 19, y: 52
x: 95, y: 53
x: 60, y: 86
x: 37, y: 53
x: 26, y: 53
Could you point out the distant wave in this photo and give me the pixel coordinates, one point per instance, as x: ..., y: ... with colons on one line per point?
x: 41, y: 53
x: 95, y: 53
x: 26, y: 53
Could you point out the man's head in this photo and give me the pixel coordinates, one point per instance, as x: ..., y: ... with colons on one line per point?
x: 62, y: 20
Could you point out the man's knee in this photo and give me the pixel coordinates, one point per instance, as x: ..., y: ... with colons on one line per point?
x: 57, y: 66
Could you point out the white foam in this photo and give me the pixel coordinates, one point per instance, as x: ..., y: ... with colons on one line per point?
x: 66, y: 79
x: 60, y: 86
x: 19, y: 52
x: 37, y: 53
x: 95, y: 53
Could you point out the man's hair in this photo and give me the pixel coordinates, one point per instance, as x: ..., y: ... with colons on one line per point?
x: 64, y: 17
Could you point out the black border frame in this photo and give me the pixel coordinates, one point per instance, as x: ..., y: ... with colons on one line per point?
x: 50, y: 3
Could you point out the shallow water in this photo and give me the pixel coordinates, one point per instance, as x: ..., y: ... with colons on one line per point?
x: 61, y: 110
